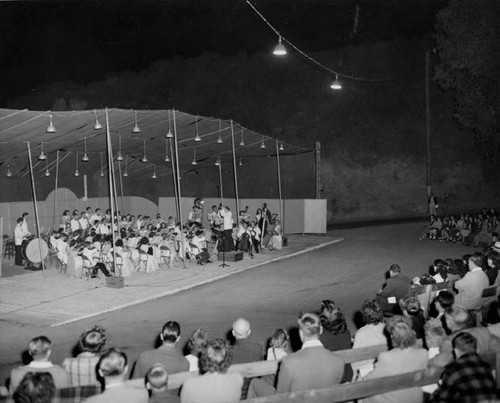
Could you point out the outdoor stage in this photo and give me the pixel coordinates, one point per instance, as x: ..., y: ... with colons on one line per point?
x: 28, y: 298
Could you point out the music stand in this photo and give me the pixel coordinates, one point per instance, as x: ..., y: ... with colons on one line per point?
x: 223, y: 250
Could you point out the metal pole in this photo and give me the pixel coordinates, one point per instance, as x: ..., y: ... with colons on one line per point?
x: 37, y: 223
x: 317, y: 170
x: 111, y: 188
x: 220, y: 181
x: 121, y: 183
x: 55, y: 191
x: 172, y: 159
x: 235, y: 173
x: 183, y: 250
x: 279, y: 186
x: 428, y: 123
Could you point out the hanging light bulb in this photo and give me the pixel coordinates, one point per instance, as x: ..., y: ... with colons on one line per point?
x: 194, y: 162
x: 42, y: 156
x: 126, y: 166
x: 97, y: 125
x: 154, y: 173
x: 262, y: 144
x: 85, y: 157
x: 76, y: 170
x: 219, y: 140
x: 125, y: 173
x: 240, y: 162
x: 217, y: 162
x: 282, y: 147
x: 47, y: 172
x: 9, y: 172
x: 167, y: 159
x: 197, y: 137
x: 336, y: 85
x: 144, y: 159
x: 119, y: 154
x: 170, y: 135
x: 136, y: 128
x: 279, y: 49
x: 242, y: 141
x: 51, y: 128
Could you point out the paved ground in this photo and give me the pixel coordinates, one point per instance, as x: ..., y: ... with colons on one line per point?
x: 270, y: 296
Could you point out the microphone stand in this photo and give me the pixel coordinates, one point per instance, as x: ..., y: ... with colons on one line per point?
x: 223, y: 250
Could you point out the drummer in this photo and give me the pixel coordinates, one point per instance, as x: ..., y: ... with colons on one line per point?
x: 20, y: 234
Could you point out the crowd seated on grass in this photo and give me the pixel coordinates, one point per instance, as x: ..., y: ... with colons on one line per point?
x: 83, y: 242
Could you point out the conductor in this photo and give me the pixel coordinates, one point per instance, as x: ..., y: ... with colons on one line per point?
x: 227, y: 226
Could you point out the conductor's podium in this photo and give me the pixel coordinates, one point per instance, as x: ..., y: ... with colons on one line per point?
x: 234, y: 256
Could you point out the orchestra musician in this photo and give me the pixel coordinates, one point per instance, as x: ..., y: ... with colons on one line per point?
x: 20, y: 234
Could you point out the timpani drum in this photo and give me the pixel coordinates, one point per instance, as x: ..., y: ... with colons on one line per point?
x: 35, y: 250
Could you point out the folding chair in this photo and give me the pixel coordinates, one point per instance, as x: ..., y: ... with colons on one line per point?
x: 143, y: 260
x: 87, y: 267
x: 118, y: 263
x: 164, y: 256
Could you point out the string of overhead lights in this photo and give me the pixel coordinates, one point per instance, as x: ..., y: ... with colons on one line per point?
x: 280, y: 50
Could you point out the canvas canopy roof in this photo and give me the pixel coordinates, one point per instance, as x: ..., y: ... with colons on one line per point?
x: 75, y: 128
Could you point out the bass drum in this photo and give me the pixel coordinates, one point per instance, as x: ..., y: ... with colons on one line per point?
x: 35, y: 250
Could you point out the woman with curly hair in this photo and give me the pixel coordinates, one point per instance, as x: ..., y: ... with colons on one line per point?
x: 371, y: 334
x: 196, y: 344
x: 335, y: 335
x: 215, y: 385
x: 82, y: 368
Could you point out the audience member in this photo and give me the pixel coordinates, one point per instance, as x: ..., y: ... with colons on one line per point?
x: 39, y: 350
x: 404, y: 357
x: 196, y: 344
x: 83, y: 368
x: 156, y: 384
x: 35, y: 387
x: 311, y: 367
x: 112, y: 366
x: 395, y: 288
x: 371, y: 334
x: 215, y: 385
x: 492, y: 266
x: 244, y: 350
x: 411, y: 309
x: 278, y: 345
x: 468, y: 378
x: 167, y: 354
x: 471, y: 286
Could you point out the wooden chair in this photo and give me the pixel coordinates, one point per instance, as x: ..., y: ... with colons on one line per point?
x: 487, y: 298
x: 87, y: 268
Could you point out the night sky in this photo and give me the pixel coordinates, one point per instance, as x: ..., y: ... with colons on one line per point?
x: 83, y: 41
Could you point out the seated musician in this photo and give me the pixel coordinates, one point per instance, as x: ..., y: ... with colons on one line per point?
x: 256, y: 235
x: 244, y: 238
x: 20, y: 234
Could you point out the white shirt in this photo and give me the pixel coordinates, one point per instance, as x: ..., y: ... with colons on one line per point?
x: 227, y: 216
x: 19, y: 234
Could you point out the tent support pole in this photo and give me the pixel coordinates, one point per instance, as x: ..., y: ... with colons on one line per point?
x: 220, y: 182
x: 55, y: 191
x: 121, y: 183
x: 236, y: 192
x: 37, y: 223
x: 279, y: 186
x: 111, y: 178
x: 317, y: 169
x: 172, y: 159
x: 183, y: 250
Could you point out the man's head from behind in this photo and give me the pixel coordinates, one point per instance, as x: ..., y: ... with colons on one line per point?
x: 464, y: 343
x: 171, y: 332
x: 394, y: 269
x: 39, y: 348
x: 309, y: 326
x: 458, y: 318
x: 35, y: 387
x: 113, y: 363
x: 241, y: 328
x: 401, y: 332
x: 157, y: 378
x: 476, y: 260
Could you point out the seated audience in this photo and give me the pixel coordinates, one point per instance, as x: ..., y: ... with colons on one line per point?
x: 458, y: 320
x: 278, y: 345
x: 35, y: 387
x: 83, y: 368
x: 156, y: 384
x: 371, y: 334
x: 244, y: 350
x: 215, y: 385
x: 471, y: 286
x: 313, y: 366
x: 441, y: 304
x: 468, y: 378
x: 196, y: 344
x: 167, y: 354
x: 411, y: 309
x: 395, y: 288
x: 404, y: 357
x: 492, y: 266
x: 39, y: 350
x: 112, y: 366
x: 434, y: 338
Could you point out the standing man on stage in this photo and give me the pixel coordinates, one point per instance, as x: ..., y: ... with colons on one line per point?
x: 227, y: 226
x: 20, y: 234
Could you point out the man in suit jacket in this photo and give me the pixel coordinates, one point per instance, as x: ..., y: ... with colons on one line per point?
x: 404, y: 357
x: 311, y: 367
x: 395, y: 288
x: 167, y: 354
x: 470, y: 287
x: 113, y: 367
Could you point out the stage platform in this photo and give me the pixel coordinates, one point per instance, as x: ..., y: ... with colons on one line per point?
x: 26, y: 297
